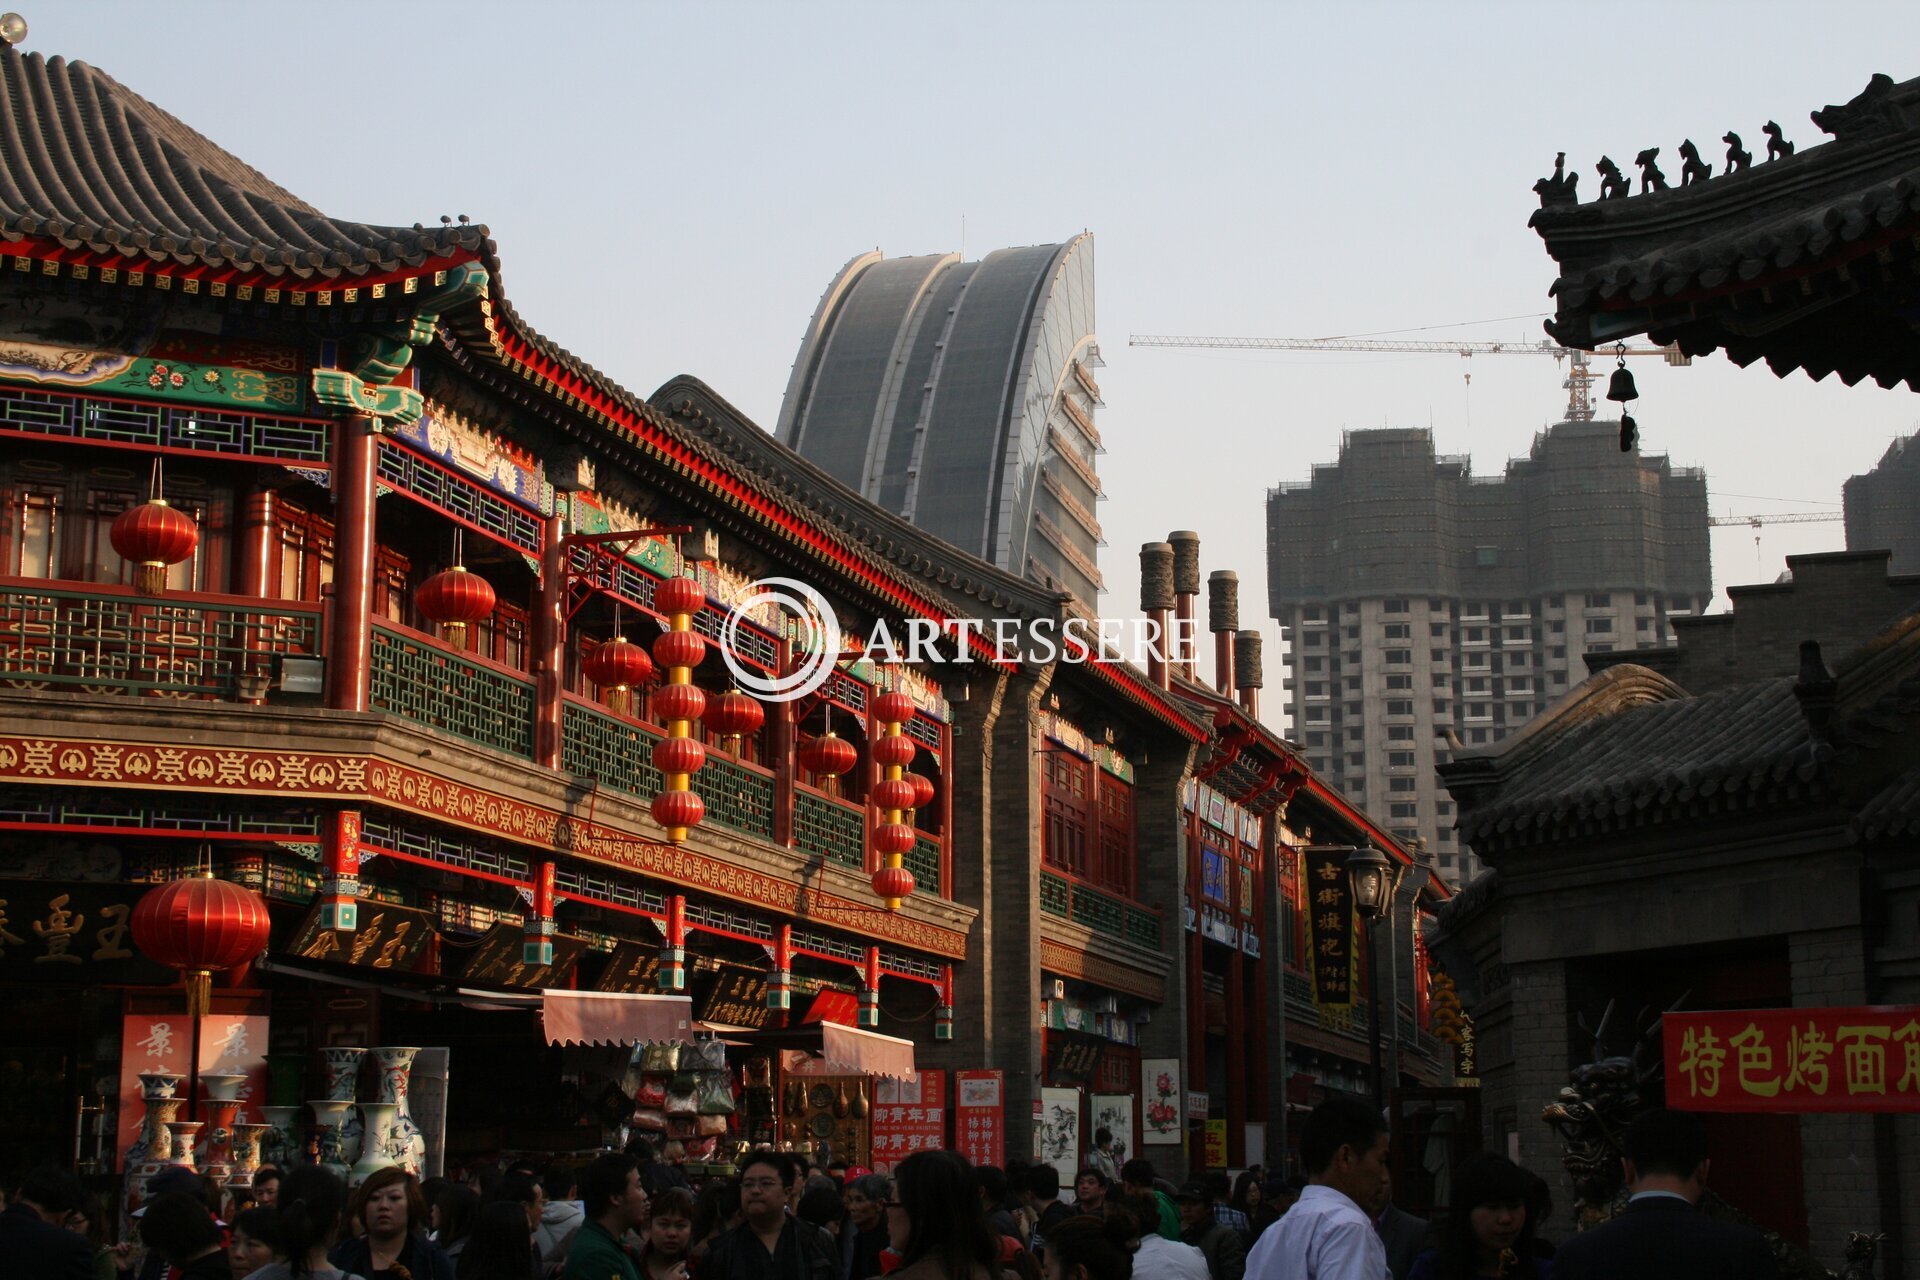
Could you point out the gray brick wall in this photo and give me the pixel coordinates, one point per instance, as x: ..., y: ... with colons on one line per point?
x: 1540, y: 1057
x: 1838, y: 1152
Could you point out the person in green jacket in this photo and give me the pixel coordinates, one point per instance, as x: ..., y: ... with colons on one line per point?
x: 1138, y: 1175
x: 615, y: 1203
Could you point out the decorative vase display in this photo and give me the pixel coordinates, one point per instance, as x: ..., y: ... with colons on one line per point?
x: 154, y: 1144
x: 375, y: 1145
x: 406, y: 1144
x: 246, y: 1152
x: 281, y: 1147
x: 185, y: 1134
x: 223, y: 1106
x: 329, y: 1115
x: 343, y: 1072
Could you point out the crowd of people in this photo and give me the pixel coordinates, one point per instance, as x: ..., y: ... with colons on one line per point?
x: 629, y: 1216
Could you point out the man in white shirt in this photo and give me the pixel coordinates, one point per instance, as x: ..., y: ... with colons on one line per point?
x: 1327, y: 1235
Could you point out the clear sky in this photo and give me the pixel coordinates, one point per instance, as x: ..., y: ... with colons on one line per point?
x: 673, y: 185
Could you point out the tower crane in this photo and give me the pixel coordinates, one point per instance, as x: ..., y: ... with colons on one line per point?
x: 1785, y: 517
x: 1580, y: 370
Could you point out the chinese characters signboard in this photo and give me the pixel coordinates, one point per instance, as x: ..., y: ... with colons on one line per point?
x: 73, y: 932
x: 979, y: 1117
x: 908, y: 1116
x: 633, y: 969
x: 733, y: 997
x: 389, y: 937
x: 500, y: 961
x: 161, y: 1041
x: 1794, y: 1059
x: 1330, y: 924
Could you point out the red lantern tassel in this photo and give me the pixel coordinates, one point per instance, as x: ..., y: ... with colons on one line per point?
x: 150, y: 578
x: 199, y: 988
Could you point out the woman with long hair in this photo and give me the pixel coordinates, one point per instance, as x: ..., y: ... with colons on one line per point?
x: 454, y: 1210
x: 1490, y: 1232
x: 936, y: 1221
x: 499, y: 1247
x: 311, y: 1209
x: 395, y: 1247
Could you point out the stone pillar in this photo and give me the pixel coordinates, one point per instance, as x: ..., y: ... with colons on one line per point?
x: 1186, y: 591
x: 350, y: 639
x: 1160, y: 837
x: 1839, y: 1153
x: 1541, y: 1059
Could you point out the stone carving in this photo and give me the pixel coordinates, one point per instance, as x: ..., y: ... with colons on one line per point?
x: 1872, y: 113
x: 1738, y: 157
x: 1560, y: 188
x: 1778, y: 148
x: 1651, y: 179
x: 1692, y: 168
x: 1862, y: 1247
x: 1613, y: 183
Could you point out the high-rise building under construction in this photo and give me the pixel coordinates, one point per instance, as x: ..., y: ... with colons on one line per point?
x: 1420, y: 603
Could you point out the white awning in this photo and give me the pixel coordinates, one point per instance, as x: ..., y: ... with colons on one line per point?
x: 865, y: 1053
x: 594, y: 1017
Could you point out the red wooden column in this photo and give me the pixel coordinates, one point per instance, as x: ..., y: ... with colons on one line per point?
x: 1268, y: 882
x: 673, y: 960
x: 350, y: 651
x: 550, y: 644
x: 1236, y: 1061
x: 340, y: 877
x: 537, y: 944
x: 870, y: 989
x: 1196, y: 989
x: 780, y: 980
x: 943, y: 1012
x: 783, y: 736
x: 944, y: 779
x: 259, y: 509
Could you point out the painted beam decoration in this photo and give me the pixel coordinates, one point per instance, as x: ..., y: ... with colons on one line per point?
x: 1330, y: 916
x: 1794, y: 1060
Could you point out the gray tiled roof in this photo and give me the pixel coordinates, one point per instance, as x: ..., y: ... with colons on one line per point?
x: 1895, y: 812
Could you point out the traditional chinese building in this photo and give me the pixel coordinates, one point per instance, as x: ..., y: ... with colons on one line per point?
x: 1728, y: 829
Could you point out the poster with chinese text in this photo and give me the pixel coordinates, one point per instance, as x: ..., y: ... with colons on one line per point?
x: 908, y: 1116
x: 979, y: 1117
x: 160, y: 1042
x: 1114, y: 1113
x: 1160, y: 1103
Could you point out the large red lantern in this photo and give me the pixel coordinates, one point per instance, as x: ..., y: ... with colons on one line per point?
x: 453, y: 598
x: 617, y: 665
x: 893, y: 707
x: 893, y: 793
x: 679, y: 755
x: 734, y: 715
x: 829, y: 755
x: 200, y: 926
x: 679, y: 648
x: 891, y: 839
x: 679, y: 595
x: 922, y: 790
x: 893, y: 884
x: 894, y: 749
x: 155, y: 537
x: 679, y: 702
x: 678, y: 810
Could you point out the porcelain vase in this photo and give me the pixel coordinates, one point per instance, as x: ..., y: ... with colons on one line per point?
x: 246, y: 1152
x: 185, y: 1134
x: 343, y: 1072
x: 281, y: 1148
x: 328, y: 1116
x: 407, y: 1144
x: 375, y: 1145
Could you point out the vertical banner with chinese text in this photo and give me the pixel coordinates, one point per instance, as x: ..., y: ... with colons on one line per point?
x: 908, y: 1116
x: 979, y: 1117
x: 1862, y: 1059
x: 1329, y: 909
x: 159, y: 1042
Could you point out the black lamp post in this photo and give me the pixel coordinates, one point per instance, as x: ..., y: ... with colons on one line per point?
x: 1372, y: 874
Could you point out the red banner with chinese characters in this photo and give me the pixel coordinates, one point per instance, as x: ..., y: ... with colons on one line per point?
x: 908, y: 1116
x: 1330, y: 913
x: 979, y: 1117
x: 229, y: 1041
x: 1794, y: 1059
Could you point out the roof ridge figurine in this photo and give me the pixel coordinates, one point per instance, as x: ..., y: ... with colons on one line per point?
x: 1651, y: 179
x: 1778, y: 148
x: 1739, y: 159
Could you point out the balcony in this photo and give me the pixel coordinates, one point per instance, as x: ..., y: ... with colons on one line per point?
x: 417, y: 677
x: 107, y: 640
x: 1067, y: 897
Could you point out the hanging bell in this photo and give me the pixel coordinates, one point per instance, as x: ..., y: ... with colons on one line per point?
x: 1620, y: 388
x: 1629, y: 433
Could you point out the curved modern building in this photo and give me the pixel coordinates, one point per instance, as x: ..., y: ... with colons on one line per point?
x: 961, y: 395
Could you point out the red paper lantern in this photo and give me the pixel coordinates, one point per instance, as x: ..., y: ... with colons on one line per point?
x: 673, y: 809
x: 200, y: 926
x: 922, y: 790
x: 679, y: 702
x: 893, y: 793
x: 892, y: 838
x: 829, y: 755
x: 616, y: 662
x: 679, y: 755
x: 679, y: 595
x: 155, y: 537
x: 453, y: 598
x: 893, y: 707
x: 893, y: 883
x: 735, y: 715
x: 679, y: 648
x: 895, y: 749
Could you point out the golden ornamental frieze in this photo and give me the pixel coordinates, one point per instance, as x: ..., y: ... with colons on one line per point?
x: 327, y: 776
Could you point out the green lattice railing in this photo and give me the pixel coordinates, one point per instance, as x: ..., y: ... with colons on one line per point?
x: 1104, y: 913
x: 612, y: 751
x: 735, y: 795
x: 924, y: 861
x: 108, y: 640
x: 415, y: 677
x: 831, y: 827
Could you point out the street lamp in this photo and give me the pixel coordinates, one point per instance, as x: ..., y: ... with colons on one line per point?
x: 1374, y: 882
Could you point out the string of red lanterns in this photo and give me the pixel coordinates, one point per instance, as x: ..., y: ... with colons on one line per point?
x: 892, y: 836
x: 679, y: 703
